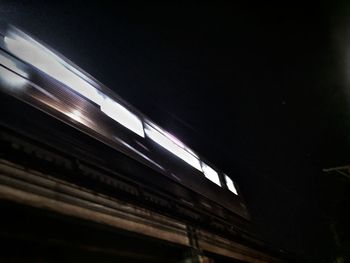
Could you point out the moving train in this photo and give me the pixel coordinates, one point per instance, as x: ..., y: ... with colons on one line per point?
x: 48, y: 98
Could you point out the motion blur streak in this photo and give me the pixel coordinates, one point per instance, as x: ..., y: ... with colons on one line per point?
x: 122, y: 115
x: 43, y: 59
x: 162, y: 138
x: 139, y: 153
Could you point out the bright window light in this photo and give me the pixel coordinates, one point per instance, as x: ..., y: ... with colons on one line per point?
x: 230, y: 185
x: 11, y: 80
x: 173, y: 145
x: 211, y: 174
x: 10, y: 64
x: 45, y: 60
x: 122, y: 115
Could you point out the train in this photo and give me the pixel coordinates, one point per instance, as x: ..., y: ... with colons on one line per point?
x: 47, y: 98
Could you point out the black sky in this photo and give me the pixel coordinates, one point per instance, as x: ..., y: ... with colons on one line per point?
x: 259, y: 90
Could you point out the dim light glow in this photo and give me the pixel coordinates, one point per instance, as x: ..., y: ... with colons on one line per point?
x: 32, y: 52
x: 172, y: 144
x: 230, y: 185
x: 122, y: 115
x: 211, y: 174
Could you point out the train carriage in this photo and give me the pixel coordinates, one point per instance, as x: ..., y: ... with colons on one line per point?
x: 46, y: 98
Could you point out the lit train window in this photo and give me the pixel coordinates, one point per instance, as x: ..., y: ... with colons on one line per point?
x: 230, y: 185
x: 211, y: 174
x: 10, y: 64
x: 32, y: 52
x: 25, y: 48
x: 172, y: 144
x: 11, y: 80
x: 122, y: 115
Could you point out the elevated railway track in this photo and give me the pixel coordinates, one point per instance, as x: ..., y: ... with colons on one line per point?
x: 70, y: 147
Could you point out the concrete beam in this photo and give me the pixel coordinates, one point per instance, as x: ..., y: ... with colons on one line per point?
x: 32, y: 188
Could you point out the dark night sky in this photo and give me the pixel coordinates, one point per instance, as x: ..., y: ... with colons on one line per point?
x: 260, y: 91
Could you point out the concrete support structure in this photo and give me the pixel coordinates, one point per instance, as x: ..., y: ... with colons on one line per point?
x: 35, y: 189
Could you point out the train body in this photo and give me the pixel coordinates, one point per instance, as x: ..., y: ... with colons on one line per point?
x: 45, y: 97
